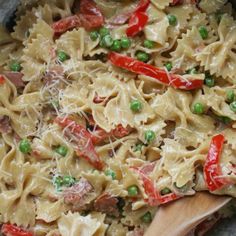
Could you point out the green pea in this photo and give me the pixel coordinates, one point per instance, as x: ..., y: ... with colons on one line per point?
x: 106, y: 41
x: 165, y: 191
x: 125, y: 42
x: 94, y: 35
x: 68, y: 181
x: 209, y: 81
x: 142, y: 56
x: 203, y: 32
x: 136, y: 106
x: 104, y: 31
x: 110, y: 173
x: 62, y: 150
x: 138, y: 147
x: 148, y: 44
x: 147, y: 217
x: 149, y: 136
x: 168, y: 66
x: 25, y: 146
x: 133, y: 191
x: 198, y: 108
x: 62, y: 56
x: 233, y: 106
x: 230, y: 96
x: 172, y: 20
x: 15, y: 66
x: 116, y: 46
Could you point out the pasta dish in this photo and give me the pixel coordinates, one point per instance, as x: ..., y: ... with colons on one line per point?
x: 109, y: 109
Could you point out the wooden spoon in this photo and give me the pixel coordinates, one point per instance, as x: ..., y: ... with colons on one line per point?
x: 180, y: 217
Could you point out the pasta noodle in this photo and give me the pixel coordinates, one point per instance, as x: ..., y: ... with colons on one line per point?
x: 104, y: 117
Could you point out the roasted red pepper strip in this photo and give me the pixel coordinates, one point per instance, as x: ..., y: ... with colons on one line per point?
x: 176, y: 2
x: 88, y: 17
x: 161, y: 75
x: 137, y: 23
x: 154, y: 197
x: 83, y: 141
x: 12, y: 230
x: 212, y: 169
x: 100, y: 134
x: 89, y: 7
x: 65, y: 24
x: 2, y: 79
x: 139, y: 19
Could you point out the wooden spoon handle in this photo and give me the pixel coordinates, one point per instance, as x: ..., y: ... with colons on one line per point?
x: 180, y: 217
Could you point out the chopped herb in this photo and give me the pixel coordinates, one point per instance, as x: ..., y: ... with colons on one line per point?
x: 203, y: 32
x: 172, y: 20
x: 62, y: 56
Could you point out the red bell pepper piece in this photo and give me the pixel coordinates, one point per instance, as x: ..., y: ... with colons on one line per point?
x: 138, y: 19
x: 161, y: 75
x: 212, y: 169
x: 2, y: 79
x: 83, y: 141
x: 154, y: 196
x: 137, y: 23
x: 142, y: 6
x: 12, y: 230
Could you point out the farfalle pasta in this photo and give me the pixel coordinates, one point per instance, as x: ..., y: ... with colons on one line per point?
x: 109, y: 109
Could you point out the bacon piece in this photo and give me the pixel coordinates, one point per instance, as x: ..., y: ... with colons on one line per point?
x: 55, y: 73
x: 5, y: 126
x: 120, y: 19
x: 107, y: 204
x: 148, y: 168
x: 15, y: 78
x: 136, y: 232
x: 77, y: 194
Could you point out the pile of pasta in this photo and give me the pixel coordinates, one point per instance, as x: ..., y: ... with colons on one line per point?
x: 164, y: 144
